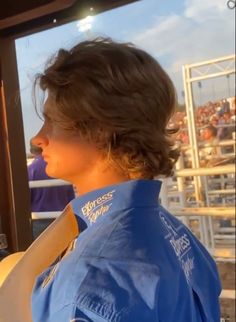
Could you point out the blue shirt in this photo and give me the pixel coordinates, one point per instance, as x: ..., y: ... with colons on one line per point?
x: 133, y: 262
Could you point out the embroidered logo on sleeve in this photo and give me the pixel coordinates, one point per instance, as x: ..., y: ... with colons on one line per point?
x: 98, y: 207
x: 181, y: 245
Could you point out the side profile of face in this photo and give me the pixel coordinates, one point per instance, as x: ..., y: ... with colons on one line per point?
x: 67, y: 155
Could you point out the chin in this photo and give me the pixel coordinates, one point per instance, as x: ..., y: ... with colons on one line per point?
x: 51, y: 172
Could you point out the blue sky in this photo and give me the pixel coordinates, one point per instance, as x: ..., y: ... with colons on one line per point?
x: 175, y: 32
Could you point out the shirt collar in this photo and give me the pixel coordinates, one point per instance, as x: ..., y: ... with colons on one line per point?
x: 139, y: 193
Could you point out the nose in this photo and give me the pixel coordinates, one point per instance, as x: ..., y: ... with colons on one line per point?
x: 40, y: 139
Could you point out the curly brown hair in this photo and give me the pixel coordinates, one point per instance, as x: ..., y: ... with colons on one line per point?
x: 119, y: 97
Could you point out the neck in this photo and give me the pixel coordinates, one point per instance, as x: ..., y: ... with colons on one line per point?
x: 98, y: 179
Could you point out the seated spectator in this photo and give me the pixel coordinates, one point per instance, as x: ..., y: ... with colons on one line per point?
x: 209, y: 138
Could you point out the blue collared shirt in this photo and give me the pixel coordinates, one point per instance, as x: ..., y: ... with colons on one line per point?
x: 133, y: 262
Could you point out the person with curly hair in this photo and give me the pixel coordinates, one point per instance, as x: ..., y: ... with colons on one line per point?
x: 105, y: 130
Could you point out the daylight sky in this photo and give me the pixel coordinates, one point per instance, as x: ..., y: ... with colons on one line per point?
x: 175, y: 32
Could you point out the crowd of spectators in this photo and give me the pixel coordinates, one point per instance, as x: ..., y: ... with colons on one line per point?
x: 219, y: 114
x: 215, y: 122
x: 215, y: 125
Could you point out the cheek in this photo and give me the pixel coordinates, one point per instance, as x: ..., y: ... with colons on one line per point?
x: 61, y: 168
x: 64, y: 157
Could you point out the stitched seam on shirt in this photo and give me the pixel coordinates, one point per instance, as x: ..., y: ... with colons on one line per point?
x: 81, y: 303
x: 112, y: 315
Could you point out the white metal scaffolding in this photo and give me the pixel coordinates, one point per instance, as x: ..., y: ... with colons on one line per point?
x: 214, y: 68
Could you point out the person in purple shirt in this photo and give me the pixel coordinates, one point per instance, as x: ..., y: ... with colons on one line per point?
x: 105, y: 131
x: 45, y: 199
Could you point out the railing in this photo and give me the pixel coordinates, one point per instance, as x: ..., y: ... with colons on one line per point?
x: 48, y: 183
x: 201, y: 215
